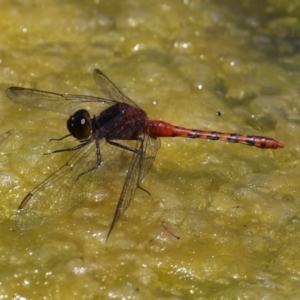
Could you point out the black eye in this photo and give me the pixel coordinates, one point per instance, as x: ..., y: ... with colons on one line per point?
x: 79, y: 124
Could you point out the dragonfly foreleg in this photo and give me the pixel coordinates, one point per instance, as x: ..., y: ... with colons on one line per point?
x: 79, y: 146
x: 59, y: 139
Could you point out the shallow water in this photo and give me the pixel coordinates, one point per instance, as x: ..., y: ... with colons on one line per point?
x: 235, y: 208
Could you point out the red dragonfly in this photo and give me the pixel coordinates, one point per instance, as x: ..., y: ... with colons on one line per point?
x: 120, y: 121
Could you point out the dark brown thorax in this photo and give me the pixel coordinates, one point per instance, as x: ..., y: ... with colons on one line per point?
x: 119, y: 122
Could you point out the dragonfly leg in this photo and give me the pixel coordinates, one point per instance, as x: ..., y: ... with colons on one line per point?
x: 59, y: 139
x: 143, y: 189
x: 98, y: 163
x: 139, y: 152
x: 79, y: 146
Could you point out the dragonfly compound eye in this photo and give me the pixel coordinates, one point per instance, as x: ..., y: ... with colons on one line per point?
x: 79, y: 124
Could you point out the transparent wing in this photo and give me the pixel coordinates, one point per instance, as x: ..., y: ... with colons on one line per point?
x: 109, y: 89
x: 141, y: 162
x: 150, y: 147
x: 129, y: 187
x: 69, y: 103
x: 62, y: 103
x: 64, y: 189
x: 60, y: 191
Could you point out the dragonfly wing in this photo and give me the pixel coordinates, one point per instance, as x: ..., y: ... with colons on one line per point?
x: 62, y: 103
x: 141, y: 162
x: 109, y: 89
x: 129, y: 187
x: 150, y: 147
x: 59, y: 192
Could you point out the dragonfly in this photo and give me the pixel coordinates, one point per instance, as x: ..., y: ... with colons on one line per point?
x: 116, y: 120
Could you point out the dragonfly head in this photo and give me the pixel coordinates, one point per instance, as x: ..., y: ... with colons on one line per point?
x: 79, y: 124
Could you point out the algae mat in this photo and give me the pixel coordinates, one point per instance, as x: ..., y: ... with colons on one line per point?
x: 214, y: 65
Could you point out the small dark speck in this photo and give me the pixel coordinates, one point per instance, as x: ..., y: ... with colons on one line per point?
x: 218, y: 113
